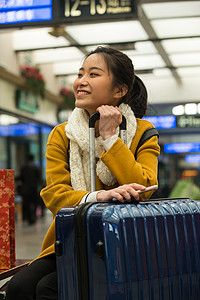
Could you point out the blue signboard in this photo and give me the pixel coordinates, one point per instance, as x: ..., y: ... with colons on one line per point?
x: 19, y: 129
x: 192, y: 158
x: 162, y: 122
x: 14, y: 4
x: 23, y: 129
x: 25, y: 11
x: 181, y: 147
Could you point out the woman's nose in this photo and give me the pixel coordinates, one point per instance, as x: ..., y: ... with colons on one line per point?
x: 83, y: 80
x: 83, y: 83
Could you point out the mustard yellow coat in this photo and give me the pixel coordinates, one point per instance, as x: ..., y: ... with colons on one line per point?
x: 119, y: 159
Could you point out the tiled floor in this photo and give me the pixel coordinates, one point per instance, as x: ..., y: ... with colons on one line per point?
x: 29, y: 237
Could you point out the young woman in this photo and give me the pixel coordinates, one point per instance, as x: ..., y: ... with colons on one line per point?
x: 106, y: 83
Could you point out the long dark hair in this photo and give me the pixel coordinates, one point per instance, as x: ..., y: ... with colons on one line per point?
x: 123, y: 74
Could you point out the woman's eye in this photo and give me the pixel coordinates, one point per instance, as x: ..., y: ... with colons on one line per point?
x: 79, y: 75
x: 94, y: 74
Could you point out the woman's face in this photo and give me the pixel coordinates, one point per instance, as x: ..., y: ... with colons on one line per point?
x: 93, y: 86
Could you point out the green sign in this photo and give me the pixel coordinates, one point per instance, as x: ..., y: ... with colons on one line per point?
x: 26, y: 101
x: 63, y: 115
x: 189, y: 121
x: 79, y: 10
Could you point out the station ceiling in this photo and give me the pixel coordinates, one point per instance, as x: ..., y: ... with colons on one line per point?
x: 164, y: 41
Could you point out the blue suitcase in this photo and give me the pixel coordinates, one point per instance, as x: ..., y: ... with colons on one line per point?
x: 140, y: 251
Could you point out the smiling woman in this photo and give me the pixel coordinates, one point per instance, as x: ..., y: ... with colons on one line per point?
x: 93, y: 75
x: 105, y: 83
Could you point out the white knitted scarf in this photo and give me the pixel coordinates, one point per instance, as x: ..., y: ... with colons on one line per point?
x: 77, y: 131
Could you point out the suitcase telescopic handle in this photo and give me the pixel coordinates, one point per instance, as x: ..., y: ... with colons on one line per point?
x: 92, y: 120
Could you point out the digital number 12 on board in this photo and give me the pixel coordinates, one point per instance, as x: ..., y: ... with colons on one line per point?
x: 73, y: 11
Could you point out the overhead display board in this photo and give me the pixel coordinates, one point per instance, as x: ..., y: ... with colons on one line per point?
x: 23, y: 13
x: 84, y: 10
x: 192, y: 158
x: 16, y: 12
x: 188, y: 121
x: 162, y: 122
x: 181, y: 147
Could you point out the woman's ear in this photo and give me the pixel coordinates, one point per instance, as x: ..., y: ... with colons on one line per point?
x: 121, y: 91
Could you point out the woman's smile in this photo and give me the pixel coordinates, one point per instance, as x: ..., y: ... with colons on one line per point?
x: 82, y: 93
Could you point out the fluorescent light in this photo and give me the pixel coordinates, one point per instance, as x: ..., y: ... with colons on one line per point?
x: 56, y: 55
x: 188, y: 71
x: 36, y: 38
x: 111, y: 32
x: 176, y: 27
x: 185, y: 59
x: 144, y: 48
x: 7, y: 120
x: 162, y: 72
x: 182, y: 45
x: 191, y: 109
x: 170, y: 10
x: 67, y: 68
x: 144, y: 62
x: 178, y: 110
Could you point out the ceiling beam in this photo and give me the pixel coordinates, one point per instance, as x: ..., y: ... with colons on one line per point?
x: 152, y: 35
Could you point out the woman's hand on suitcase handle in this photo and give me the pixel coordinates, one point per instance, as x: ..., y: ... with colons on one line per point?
x: 122, y: 193
x: 110, y: 119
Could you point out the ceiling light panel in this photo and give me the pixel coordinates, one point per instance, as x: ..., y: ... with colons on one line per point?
x: 172, y: 9
x: 144, y: 48
x: 163, y: 72
x: 56, y: 55
x: 36, y: 38
x: 145, y: 62
x: 191, y: 109
x: 112, y: 32
x: 189, y: 71
x: 178, y: 110
x: 67, y: 68
x: 176, y: 27
x: 185, y: 59
x: 182, y: 45
x: 7, y: 120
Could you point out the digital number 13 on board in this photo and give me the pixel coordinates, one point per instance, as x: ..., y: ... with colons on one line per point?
x: 71, y: 9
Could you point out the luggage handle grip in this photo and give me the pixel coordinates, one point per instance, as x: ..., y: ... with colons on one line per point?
x: 96, y: 116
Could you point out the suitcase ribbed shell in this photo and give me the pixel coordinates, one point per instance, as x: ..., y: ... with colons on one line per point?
x: 150, y: 251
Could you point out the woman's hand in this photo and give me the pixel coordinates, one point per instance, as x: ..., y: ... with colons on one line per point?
x: 121, y: 193
x: 110, y: 119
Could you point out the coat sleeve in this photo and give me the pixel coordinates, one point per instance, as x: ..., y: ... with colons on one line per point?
x: 58, y: 192
x: 126, y: 169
